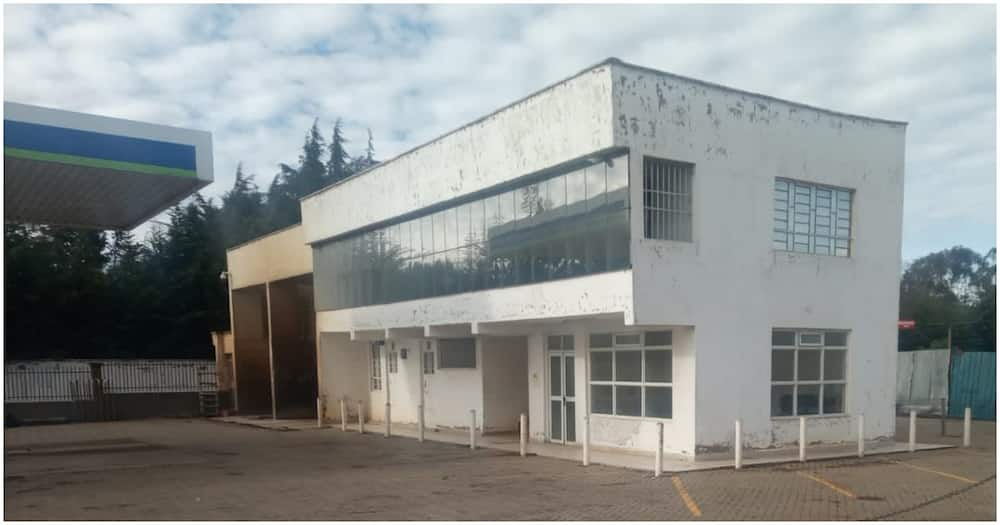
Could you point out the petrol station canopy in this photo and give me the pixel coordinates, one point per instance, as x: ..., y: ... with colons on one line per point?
x: 74, y: 169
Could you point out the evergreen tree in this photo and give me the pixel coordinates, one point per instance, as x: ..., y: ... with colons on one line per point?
x: 243, y: 210
x: 337, y: 167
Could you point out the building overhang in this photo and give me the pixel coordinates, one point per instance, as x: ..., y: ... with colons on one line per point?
x: 74, y: 169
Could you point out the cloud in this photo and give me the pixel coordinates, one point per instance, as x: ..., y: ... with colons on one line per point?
x: 257, y: 76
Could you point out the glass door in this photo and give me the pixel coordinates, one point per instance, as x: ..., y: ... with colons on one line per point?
x: 562, y: 393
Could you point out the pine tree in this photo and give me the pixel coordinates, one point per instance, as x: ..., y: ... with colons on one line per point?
x: 337, y: 167
x: 243, y: 211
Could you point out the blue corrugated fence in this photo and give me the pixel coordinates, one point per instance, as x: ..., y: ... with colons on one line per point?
x: 973, y: 384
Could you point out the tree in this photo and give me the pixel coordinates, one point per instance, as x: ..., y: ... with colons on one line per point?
x: 242, y: 210
x: 337, y: 166
x: 954, y: 287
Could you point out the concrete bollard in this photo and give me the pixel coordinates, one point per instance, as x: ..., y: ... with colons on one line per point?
x: 861, y: 435
x: 802, y: 438
x: 420, y: 423
x: 944, y: 417
x: 586, y: 440
x: 472, y: 429
x: 361, y: 417
x: 343, y: 415
x: 388, y: 419
x: 524, y: 435
x: 658, y: 461
x: 738, y: 448
x: 319, y: 412
x: 913, y: 431
x: 967, y: 428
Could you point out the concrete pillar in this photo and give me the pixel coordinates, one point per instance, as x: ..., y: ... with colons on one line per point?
x: 967, y: 428
x: 319, y: 412
x: 738, y: 448
x: 586, y: 440
x: 802, y: 438
x: 361, y: 417
x: 913, y: 431
x: 388, y: 420
x: 524, y: 435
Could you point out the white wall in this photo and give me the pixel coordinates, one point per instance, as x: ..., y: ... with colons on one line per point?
x: 580, y: 296
x: 729, y: 283
x: 566, y: 121
x: 343, y: 372
x: 505, y: 382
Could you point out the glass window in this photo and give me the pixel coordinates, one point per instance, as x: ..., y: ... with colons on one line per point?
x: 601, y: 399
x: 600, y: 366
x: 457, y: 353
x: 628, y: 400
x: 811, y: 218
x: 522, y: 235
x: 632, y: 374
x: 808, y: 372
x: 375, y: 367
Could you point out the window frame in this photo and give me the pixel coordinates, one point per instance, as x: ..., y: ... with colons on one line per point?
x: 642, y: 383
x: 822, y: 348
x: 833, y: 214
x: 427, y: 357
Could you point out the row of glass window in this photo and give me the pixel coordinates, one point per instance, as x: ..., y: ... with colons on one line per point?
x: 569, y: 224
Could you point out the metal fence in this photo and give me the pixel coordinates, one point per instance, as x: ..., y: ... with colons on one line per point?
x: 52, y: 381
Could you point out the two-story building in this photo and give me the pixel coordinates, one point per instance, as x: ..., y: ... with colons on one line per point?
x: 627, y: 244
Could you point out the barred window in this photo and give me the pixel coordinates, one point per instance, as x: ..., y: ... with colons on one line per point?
x: 810, y: 218
x: 666, y: 197
x: 428, y: 362
x: 808, y: 372
x: 393, y: 362
x: 375, y: 379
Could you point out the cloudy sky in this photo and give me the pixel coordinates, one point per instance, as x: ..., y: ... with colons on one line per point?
x: 256, y: 76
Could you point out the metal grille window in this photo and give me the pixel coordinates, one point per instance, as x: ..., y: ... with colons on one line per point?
x: 457, y: 353
x: 810, y: 218
x: 375, y: 380
x: 666, y: 197
x: 428, y: 362
x: 393, y: 362
x: 808, y: 372
x: 632, y: 374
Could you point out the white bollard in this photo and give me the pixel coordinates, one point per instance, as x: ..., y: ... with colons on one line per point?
x: 388, y: 420
x: 861, y: 435
x: 472, y: 429
x: 361, y: 417
x: 802, y: 439
x: 343, y: 415
x: 420, y: 423
x: 524, y: 435
x: 586, y: 440
x: 967, y: 428
x: 739, y: 445
x: 319, y: 412
x: 913, y: 431
x: 658, y: 465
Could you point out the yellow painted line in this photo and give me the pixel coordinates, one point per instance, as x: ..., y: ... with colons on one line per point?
x: 938, y: 472
x: 828, y: 484
x: 688, y: 500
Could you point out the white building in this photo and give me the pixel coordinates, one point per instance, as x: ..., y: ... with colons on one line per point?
x: 629, y: 244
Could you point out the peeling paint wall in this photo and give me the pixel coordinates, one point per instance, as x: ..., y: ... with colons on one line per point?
x: 729, y: 283
x: 567, y: 121
x: 588, y: 295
